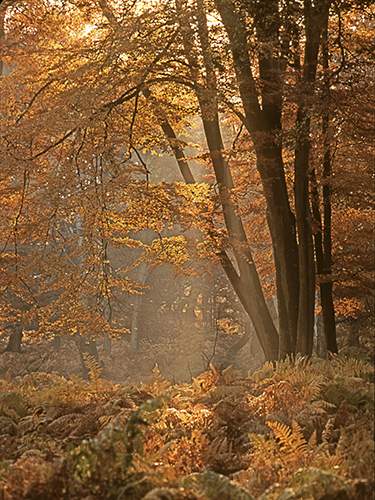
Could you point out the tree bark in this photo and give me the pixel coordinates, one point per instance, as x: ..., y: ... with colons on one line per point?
x: 264, y: 127
x: 315, y: 18
x: 246, y: 283
x: 15, y: 339
x: 305, y: 327
x: 326, y: 288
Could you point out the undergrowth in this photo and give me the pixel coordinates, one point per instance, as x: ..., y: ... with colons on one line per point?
x: 297, y: 429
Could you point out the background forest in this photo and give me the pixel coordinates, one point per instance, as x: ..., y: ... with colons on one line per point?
x: 186, y: 249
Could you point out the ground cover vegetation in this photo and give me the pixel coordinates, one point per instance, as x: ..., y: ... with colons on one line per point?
x: 297, y: 429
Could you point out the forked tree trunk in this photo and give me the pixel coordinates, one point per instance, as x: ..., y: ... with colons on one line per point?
x: 246, y: 283
x: 264, y: 127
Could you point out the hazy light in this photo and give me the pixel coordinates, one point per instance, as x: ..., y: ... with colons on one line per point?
x: 87, y: 29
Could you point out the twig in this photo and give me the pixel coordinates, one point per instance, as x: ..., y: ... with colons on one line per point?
x: 31, y: 102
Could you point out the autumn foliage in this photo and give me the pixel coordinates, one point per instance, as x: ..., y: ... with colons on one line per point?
x: 186, y: 249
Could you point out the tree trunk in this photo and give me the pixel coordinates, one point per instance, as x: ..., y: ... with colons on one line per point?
x: 264, y: 126
x: 323, y: 267
x: 315, y: 19
x: 137, y: 303
x: 15, y: 339
x: 321, y: 348
x: 305, y: 328
x: 246, y: 283
x: 326, y: 288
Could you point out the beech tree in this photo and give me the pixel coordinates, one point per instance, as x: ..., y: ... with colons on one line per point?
x: 80, y: 112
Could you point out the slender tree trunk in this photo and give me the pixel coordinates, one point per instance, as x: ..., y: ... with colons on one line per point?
x: 323, y: 267
x: 15, y: 339
x: 246, y: 283
x: 326, y: 288
x: 137, y: 304
x: 172, y: 140
x: 315, y: 19
x: 323, y: 236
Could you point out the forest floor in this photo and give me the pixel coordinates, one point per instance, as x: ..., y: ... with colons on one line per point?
x: 300, y: 429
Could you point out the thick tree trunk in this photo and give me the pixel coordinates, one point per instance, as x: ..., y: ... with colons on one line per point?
x: 264, y: 126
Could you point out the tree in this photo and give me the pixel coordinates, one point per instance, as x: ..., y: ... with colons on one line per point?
x: 81, y: 112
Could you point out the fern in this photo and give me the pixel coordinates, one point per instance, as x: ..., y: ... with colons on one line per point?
x: 351, y: 367
x: 329, y: 430
x: 264, y: 372
x: 291, y: 440
x: 94, y: 369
